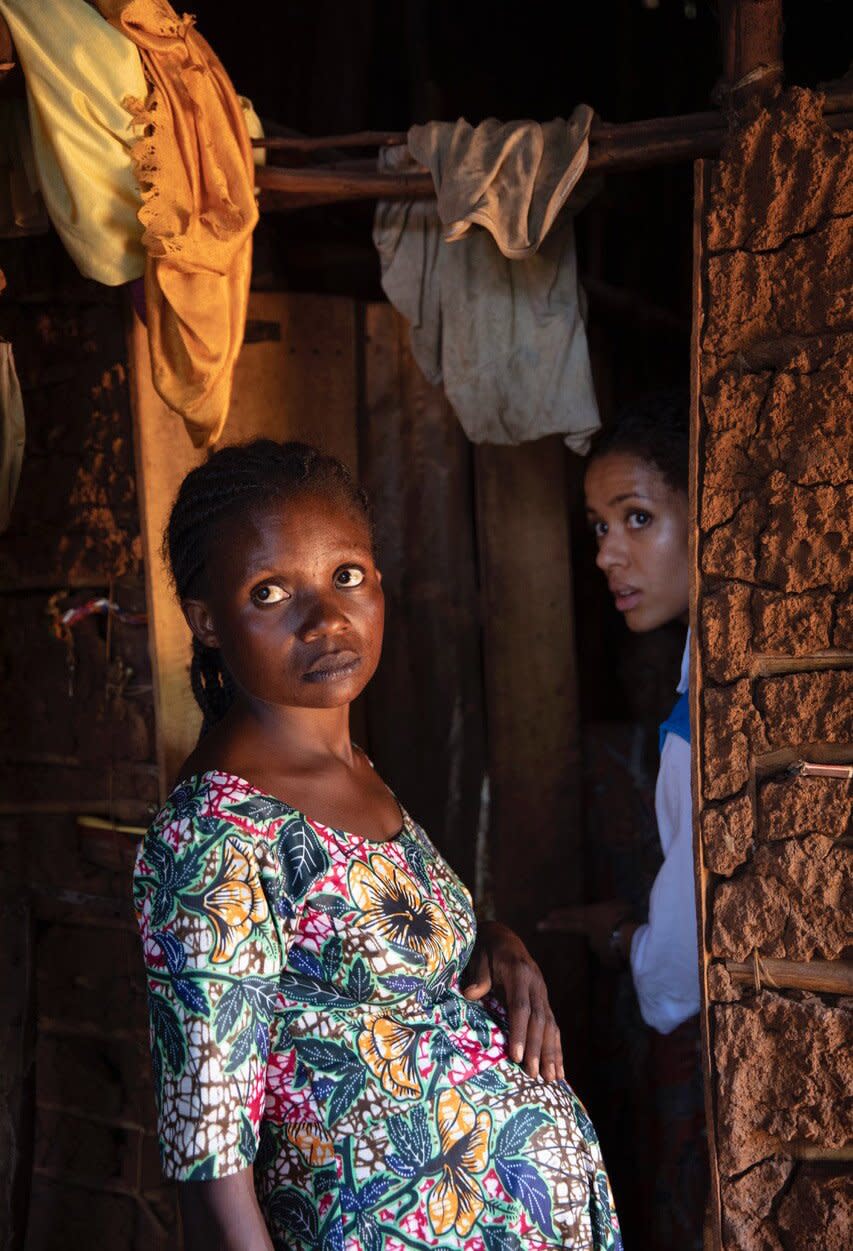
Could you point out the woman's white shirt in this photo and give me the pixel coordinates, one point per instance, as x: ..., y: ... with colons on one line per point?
x: 664, y: 951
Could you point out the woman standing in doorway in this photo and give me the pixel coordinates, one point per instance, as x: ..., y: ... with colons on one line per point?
x: 326, y: 1073
x: 636, y: 486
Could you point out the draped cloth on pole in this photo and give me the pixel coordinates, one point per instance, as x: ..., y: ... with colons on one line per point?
x: 78, y: 71
x: 487, y: 275
x: 193, y: 161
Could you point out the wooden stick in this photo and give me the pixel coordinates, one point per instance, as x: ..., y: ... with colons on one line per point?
x: 807, y: 769
x: 321, y: 143
x: 601, y: 132
x: 116, y: 827
x: 751, y: 33
x: 638, y: 146
x: 832, y: 977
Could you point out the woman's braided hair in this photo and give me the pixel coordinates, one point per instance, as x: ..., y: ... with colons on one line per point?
x: 232, y: 482
x: 655, y: 428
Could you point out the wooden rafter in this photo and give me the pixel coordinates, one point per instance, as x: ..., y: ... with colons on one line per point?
x: 614, y: 147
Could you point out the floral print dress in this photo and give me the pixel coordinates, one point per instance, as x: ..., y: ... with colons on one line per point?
x: 306, y: 1018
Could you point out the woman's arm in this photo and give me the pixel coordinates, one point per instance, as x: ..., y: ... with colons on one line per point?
x: 501, y: 962
x: 664, y: 952
x: 223, y: 1215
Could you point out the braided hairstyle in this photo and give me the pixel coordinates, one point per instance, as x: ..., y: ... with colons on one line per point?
x: 233, y: 481
x: 655, y: 428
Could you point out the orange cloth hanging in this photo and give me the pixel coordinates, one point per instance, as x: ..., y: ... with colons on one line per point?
x: 196, y: 174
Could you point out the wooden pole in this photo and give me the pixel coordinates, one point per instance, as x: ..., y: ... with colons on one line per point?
x: 533, y: 725
x: 751, y: 34
x: 601, y: 133
x: 616, y: 149
x: 702, y: 877
x: 831, y: 977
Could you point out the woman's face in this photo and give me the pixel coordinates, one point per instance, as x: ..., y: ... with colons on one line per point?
x: 294, y: 601
x: 640, y: 526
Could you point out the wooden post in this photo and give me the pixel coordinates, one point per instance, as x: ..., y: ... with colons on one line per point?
x: 701, y: 180
x: 531, y: 698
x: 751, y: 34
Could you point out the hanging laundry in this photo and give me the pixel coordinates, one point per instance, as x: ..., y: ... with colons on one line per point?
x: 11, y: 432
x: 495, y: 312
x: 78, y: 70
x: 195, y: 169
x: 22, y: 209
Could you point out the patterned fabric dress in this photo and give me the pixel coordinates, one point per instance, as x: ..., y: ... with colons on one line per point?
x: 306, y: 1018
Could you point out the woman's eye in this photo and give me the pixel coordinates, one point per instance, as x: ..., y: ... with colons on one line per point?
x: 269, y: 593
x: 638, y: 519
x: 599, y: 529
x: 349, y: 576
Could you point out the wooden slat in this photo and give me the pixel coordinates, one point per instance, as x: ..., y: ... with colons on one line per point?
x: 532, y: 710
x: 164, y: 455
x: 701, y: 180
x: 295, y: 379
x: 831, y: 977
x: 425, y: 705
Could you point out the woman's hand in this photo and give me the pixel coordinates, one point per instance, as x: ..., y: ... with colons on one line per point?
x: 501, y: 962
x: 596, y: 922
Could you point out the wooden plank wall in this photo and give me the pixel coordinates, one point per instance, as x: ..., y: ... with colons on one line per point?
x: 78, y: 1152
x: 535, y: 834
x: 425, y: 705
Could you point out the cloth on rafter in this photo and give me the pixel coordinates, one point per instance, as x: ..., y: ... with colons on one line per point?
x: 195, y: 169
x: 22, y: 209
x: 495, y: 313
x: 11, y: 432
x: 78, y: 70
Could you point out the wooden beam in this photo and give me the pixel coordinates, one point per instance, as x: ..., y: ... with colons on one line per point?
x: 830, y: 977
x: 613, y: 147
x: 751, y: 36
x: 702, y: 875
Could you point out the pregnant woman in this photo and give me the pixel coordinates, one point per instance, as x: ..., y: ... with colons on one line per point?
x: 323, y: 1080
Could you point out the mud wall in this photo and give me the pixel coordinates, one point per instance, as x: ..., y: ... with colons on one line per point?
x: 77, y: 1142
x: 775, y: 683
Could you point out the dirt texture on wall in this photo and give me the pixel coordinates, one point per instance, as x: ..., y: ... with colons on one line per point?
x: 774, y: 497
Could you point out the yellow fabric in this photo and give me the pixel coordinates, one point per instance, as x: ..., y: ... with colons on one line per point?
x: 78, y: 70
x: 195, y: 169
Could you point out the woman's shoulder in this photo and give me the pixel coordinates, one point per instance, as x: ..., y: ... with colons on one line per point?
x: 212, y: 803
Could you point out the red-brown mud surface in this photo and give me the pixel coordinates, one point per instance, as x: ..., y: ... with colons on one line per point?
x: 775, y: 501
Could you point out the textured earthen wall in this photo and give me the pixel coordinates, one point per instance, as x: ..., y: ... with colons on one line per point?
x: 774, y: 497
x: 76, y: 1109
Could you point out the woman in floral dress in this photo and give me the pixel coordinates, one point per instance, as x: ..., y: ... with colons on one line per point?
x: 327, y: 1073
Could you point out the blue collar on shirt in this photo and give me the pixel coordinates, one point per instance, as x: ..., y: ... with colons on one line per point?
x: 678, y: 721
